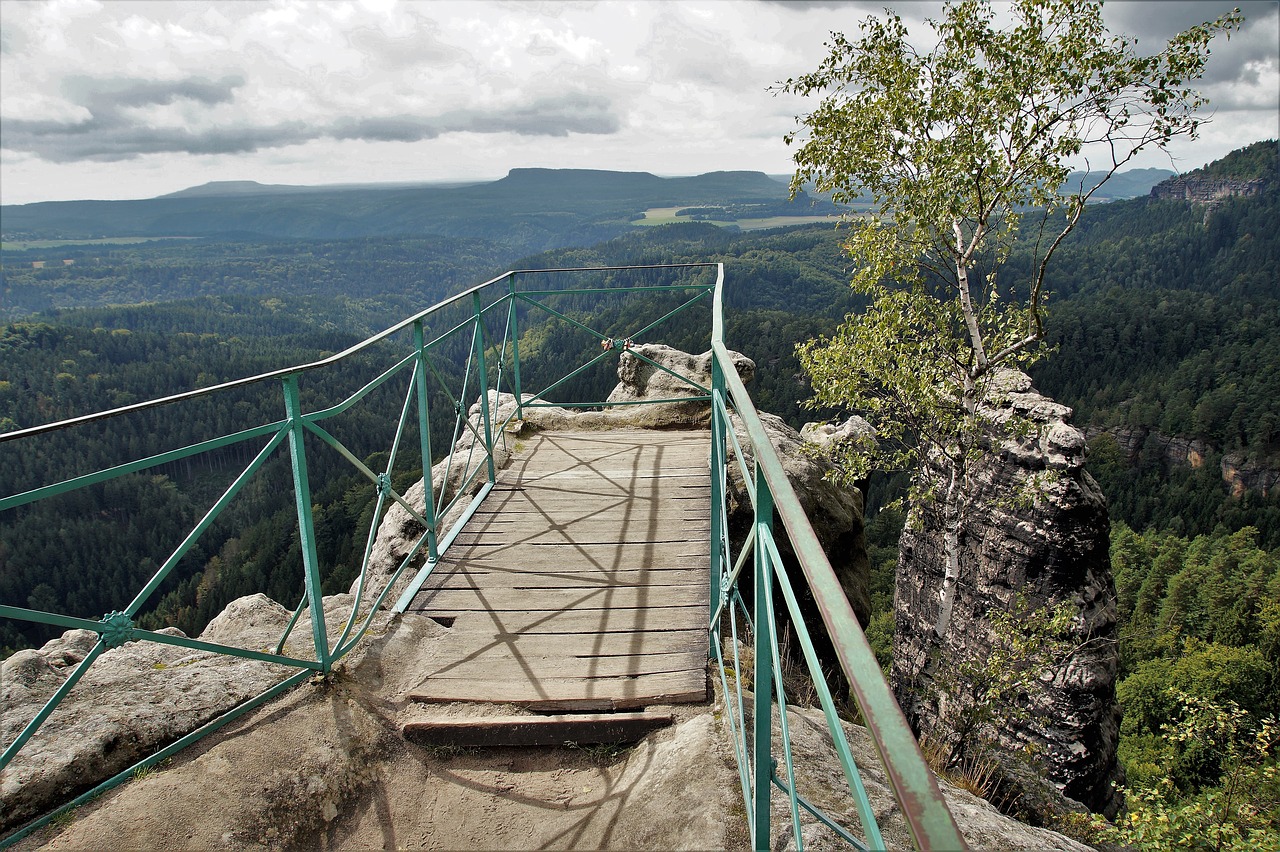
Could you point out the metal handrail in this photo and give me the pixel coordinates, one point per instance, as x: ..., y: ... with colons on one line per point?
x: 914, y: 786
x: 478, y: 475
x: 769, y: 490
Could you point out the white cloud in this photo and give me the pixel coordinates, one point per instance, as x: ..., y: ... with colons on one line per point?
x: 142, y: 97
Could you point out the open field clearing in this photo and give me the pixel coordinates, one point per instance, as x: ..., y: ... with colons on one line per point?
x: 23, y: 245
x: 667, y: 216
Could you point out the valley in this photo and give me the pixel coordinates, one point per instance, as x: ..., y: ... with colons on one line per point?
x: 1162, y: 324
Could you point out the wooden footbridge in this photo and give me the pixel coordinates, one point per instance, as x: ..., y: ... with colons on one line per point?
x: 581, y: 584
x: 590, y: 581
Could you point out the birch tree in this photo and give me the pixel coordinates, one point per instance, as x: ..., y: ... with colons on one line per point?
x: 964, y: 150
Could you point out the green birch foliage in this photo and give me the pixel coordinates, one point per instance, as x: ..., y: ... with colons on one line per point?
x: 1240, y: 814
x: 964, y: 151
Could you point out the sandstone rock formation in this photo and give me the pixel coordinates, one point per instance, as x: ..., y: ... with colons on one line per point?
x: 641, y: 381
x: 1038, y: 530
x: 855, y: 430
x: 1242, y: 474
x: 1203, y: 190
x: 1239, y: 472
x: 134, y: 700
x: 834, y: 512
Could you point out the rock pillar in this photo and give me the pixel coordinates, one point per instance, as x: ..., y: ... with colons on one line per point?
x: 1036, y: 528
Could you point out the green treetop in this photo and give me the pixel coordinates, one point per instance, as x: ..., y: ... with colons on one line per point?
x: 964, y: 150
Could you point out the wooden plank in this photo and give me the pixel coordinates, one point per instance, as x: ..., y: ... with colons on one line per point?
x: 557, y: 599
x: 533, y: 581
x: 591, y: 621
x: 589, y: 532
x: 523, y: 731
x: 600, y: 558
x: 448, y: 573
x: 482, y: 541
x: 603, y: 555
x: 571, y: 501
x: 582, y: 646
x: 572, y: 693
x: 517, y: 667
x: 585, y: 524
x: 641, y: 488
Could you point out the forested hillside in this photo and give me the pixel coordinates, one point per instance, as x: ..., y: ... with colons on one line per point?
x: 311, y: 299
x: 1163, y: 324
x: 402, y: 275
x: 528, y: 210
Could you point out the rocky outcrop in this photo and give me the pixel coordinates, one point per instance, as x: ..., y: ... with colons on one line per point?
x: 1206, y: 190
x: 1239, y: 472
x: 855, y: 430
x: 1036, y: 530
x: 133, y: 700
x: 640, y: 381
x: 835, y: 513
x: 1242, y: 474
x: 1135, y: 441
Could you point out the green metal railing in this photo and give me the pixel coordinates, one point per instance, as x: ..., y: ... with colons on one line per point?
x: 461, y: 349
x: 913, y: 785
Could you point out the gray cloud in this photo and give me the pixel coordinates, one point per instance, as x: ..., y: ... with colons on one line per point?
x: 1152, y: 26
x: 1233, y: 60
x: 106, y: 95
x: 111, y: 133
x: 101, y: 142
x: 573, y: 113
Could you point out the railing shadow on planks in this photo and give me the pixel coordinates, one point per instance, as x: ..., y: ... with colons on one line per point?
x: 420, y: 374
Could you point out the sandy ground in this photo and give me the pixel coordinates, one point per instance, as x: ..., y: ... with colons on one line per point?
x: 325, y: 767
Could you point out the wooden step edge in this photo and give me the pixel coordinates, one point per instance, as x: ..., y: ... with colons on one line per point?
x: 461, y: 692
x: 505, y: 731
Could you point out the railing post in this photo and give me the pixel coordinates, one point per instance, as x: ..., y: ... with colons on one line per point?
x: 478, y: 337
x: 762, y: 715
x: 306, y: 521
x: 424, y: 434
x: 717, y: 490
x: 515, y: 346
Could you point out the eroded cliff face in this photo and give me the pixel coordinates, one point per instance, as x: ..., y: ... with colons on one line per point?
x: 1204, y: 190
x: 1240, y: 473
x: 1038, y: 529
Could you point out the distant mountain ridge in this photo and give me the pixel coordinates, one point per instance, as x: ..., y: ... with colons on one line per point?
x: 217, y: 188
x: 1133, y: 183
x: 536, y: 209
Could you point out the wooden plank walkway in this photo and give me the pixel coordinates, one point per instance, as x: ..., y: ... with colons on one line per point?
x: 582, y: 581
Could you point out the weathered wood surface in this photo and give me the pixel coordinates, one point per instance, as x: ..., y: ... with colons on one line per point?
x: 582, y: 581
x: 579, y: 729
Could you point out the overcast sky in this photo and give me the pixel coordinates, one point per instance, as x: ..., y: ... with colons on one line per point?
x: 132, y: 99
